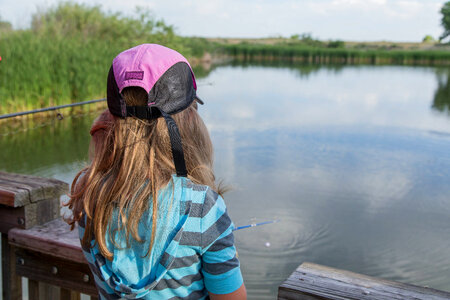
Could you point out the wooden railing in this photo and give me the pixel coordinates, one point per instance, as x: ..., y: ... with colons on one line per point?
x: 312, y: 281
x: 37, y: 244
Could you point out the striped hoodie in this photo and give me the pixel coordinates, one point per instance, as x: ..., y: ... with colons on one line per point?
x: 193, y: 252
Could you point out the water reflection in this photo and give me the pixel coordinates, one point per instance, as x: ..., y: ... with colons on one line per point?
x: 255, y: 98
x: 369, y: 201
x: 58, y: 149
x: 441, y: 101
x: 348, y: 160
x: 353, y: 161
x: 302, y: 70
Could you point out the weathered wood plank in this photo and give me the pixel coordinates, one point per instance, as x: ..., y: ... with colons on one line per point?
x: 33, y: 289
x: 69, y: 295
x: 11, y: 217
x: 56, y: 271
x: 12, y: 284
x: 53, y: 238
x: 23, y: 192
x: 7, y: 196
x: 42, y: 212
x: 311, y: 281
x: 48, y: 291
x: 28, y: 216
x: 28, y: 189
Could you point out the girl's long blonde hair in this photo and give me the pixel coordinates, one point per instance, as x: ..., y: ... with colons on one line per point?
x: 131, y: 160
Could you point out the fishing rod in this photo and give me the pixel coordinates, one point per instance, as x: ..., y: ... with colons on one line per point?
x: 34, y: 111
x: 50, y: 108
x: 255, y: 224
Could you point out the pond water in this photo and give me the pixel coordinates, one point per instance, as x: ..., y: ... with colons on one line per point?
x: 353, y: 160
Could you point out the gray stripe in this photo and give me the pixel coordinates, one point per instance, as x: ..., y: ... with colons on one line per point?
x: 178, y: 236
x: 114, y: 296
x: 210, y: 201
x: 111, y: 281
x: 165, y: 260
x: 185, y: 207
x: 190, y: 238
x: 178, y: 262
x: 215, y: 230
x: 106, y: 295
x: 222, y: 267
x: 223, y: 243
x: 125, y: 289
x: 185, y: 281
x: 199, y: 210
x: 86, y: 249
x: 95, y: 271
x: 195, y: 187
x: 195, y: 295
x: 99, y: 260
x: 195, y: 210
x: 183, y: 262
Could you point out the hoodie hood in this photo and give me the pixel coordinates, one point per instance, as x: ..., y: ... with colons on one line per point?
x: 137, y: 269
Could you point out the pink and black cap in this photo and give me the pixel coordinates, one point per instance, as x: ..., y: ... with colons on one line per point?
x: 169, y: 81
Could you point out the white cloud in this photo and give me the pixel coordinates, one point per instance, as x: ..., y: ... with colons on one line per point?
x: 400, y: 20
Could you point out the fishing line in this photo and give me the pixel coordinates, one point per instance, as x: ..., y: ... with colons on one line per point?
x: 256, y: 224
x: 34, y: 111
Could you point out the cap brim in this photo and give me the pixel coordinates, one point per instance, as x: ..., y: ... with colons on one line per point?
x: 199, y: 101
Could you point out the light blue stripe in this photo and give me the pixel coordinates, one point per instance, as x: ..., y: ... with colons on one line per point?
x: 220, y: 256
x: 181, y: 272
x: 214, y: 214
x: 224, y: 283
x: 172, y: 250
x: 193, y: 225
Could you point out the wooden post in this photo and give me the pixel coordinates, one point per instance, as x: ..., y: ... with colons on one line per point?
x: 69, y: 295
x: 25, y: 201
x: 12, y: 284
x: 48, y: 291
x: 33, y: 289
x: 311, y: 281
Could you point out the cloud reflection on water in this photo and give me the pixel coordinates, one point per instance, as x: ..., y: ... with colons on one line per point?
x: 352, y: 160
x: 253, y: 98
x: 345, y: 159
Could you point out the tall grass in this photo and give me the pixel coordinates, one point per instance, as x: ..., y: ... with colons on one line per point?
x: 65, y: 55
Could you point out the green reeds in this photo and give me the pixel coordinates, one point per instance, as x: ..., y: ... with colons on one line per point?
x: 66, y: 54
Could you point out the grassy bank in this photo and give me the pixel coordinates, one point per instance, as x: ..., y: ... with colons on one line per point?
x: 65, y: 55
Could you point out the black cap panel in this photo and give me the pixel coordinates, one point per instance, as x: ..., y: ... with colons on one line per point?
x: 114, y: 98
x: 174, y: 91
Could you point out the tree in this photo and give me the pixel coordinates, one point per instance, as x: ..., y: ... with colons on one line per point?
x: 428, y: 39
x: 445, y: 11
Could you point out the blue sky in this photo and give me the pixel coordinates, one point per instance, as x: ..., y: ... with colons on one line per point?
x: 358, y: 20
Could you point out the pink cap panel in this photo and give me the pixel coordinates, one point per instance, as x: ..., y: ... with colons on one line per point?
x: 143, y: 65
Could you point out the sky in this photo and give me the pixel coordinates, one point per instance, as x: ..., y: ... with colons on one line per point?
x: 349, y: 20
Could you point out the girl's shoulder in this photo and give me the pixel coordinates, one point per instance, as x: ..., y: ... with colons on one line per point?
x: 193, y: 193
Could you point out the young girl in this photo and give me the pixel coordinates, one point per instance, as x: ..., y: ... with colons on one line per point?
x: 152, y: 224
